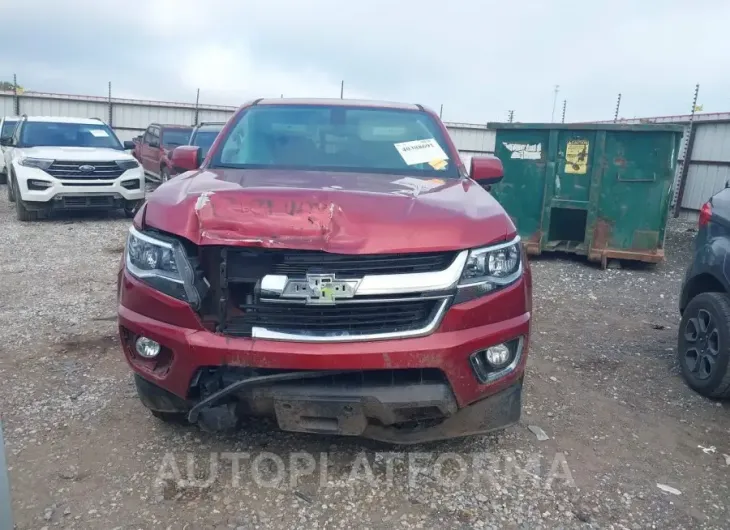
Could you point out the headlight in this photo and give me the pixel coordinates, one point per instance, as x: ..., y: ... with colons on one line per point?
x: 38, y: 163
x: 489, y: 268
x: 127, y: 164
x: 163, y: 265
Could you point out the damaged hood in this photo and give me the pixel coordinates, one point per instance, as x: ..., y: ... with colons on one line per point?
x: 348, y: 213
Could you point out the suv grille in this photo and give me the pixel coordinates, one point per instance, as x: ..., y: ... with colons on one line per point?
x: 69, y: 171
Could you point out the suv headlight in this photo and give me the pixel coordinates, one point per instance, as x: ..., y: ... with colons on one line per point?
x: 38, y: 163
x: 163, y: 265
x: 490, y: 268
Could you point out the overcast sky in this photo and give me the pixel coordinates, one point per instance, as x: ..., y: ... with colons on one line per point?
x: 479, y: 58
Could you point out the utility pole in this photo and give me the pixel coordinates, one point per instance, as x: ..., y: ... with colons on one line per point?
x: 16, y: 97
x: 565, y: 104
x: 686, y: 155
x: 110, y: 117
x: 441, y: 111
x: 618, y: 105
x: 555, y: 100
x: 197, y: 110
x: 510, y: 116
x: 342, y: 89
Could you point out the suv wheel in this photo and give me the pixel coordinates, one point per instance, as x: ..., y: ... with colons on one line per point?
x: 22, y: 213
x: 704, y: 345
x: 131, y: 208
x: 11, y: 192
x: 4, y: 177
x: 164, y: 174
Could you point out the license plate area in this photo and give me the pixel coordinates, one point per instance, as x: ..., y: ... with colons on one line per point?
x: 329, y: 416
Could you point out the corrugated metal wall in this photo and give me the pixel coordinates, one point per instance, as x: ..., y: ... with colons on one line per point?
x: 709, y: 164
x: 131, y: 117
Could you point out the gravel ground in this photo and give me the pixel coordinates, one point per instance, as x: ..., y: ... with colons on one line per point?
x: 602, y: 386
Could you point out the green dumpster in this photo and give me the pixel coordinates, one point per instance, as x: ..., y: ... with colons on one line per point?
x: 601, y: 190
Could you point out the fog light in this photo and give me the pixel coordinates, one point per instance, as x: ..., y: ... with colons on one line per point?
x: 147, y: 348
x: 496, y: 361
x: 498, y: 355
x: 38, y: 185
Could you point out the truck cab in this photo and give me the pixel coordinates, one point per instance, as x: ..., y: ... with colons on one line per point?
x: 155, y: 146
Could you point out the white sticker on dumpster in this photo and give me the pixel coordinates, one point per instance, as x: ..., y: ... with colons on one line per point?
x: 421, y: 151
x: 524, y: 151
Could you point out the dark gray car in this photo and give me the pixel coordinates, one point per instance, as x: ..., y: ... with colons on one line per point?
x: 703, y: 344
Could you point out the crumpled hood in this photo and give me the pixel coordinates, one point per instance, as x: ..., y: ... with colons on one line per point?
x: 345, y: 213
x: 77, y: 154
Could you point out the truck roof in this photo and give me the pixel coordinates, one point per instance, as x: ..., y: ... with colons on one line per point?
x: 339, y: 102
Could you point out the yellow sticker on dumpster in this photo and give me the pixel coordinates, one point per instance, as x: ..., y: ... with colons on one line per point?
x: 576, y: 157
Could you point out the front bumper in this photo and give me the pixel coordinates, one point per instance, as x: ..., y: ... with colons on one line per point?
x: 467, y: 406
x: 57, y: 190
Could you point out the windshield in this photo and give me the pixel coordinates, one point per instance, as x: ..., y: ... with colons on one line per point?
x: 41, y: 133
x: 336, y: 138
x: 8, y: 128
x: 204, y: 140
x: 175, y: 137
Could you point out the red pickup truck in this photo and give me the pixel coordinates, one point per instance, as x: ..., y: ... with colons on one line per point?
x: 331, y: 264
x: 152, y: 149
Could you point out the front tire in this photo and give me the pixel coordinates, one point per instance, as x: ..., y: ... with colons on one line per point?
x: 170, y: 417
x: 164, y: 174
x: 131, y: 208
x: 10, y: 191
x: 703, y: 345
x: 4, y: 177
x: 22, y: 213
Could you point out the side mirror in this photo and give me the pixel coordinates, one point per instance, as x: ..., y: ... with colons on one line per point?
x: 128, y: 144
x: 7, y: 141
x: 186, y: 158
x: 486, y: 170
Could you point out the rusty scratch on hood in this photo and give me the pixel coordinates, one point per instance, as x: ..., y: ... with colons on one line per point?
x: 265, y: 221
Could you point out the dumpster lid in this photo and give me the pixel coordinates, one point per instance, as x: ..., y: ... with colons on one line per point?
x: 648, y: 127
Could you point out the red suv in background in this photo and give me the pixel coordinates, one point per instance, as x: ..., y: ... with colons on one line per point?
x: 334, y: 265
x: 153, y: 148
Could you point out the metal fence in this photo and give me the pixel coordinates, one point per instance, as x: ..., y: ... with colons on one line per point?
x: 706, y: 139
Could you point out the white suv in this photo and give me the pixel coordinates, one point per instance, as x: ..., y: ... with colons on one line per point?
x: 70, y: 164
x: 7, y: 126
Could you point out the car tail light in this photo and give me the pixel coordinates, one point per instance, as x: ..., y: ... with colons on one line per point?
x: 705, y: 214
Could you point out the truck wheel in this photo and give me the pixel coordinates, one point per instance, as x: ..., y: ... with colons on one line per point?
x: 4, y: 177
x: 131, y: 208
x: 22, y: 213
x: 11, y: 193
x: 164, y: 174
x: 170, y: 417
x: 703, y: 347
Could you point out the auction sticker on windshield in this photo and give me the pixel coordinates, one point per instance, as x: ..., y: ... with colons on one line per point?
x: 99, y: 133
x: 421, y: 151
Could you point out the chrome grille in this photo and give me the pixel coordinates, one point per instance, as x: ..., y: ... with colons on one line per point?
x: 70, y: 170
